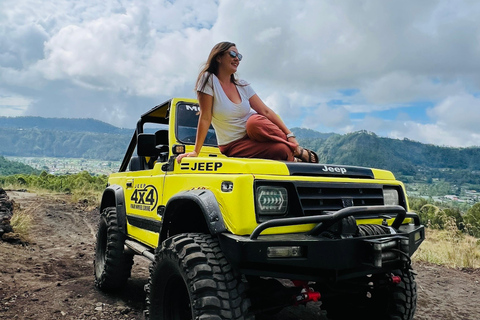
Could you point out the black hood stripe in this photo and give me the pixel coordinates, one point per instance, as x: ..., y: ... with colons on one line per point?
x: 327, y: 170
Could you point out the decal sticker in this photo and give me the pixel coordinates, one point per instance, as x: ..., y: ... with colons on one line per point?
x: 201, y: 166
x: 144, y: 197
x: 192, y: 108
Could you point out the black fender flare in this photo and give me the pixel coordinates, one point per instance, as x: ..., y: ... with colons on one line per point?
x: 113, y: 196
x: 206, y: 201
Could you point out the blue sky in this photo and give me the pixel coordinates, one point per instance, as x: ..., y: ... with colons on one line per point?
x: 401, y: 69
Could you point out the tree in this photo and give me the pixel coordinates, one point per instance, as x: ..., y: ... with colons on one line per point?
x: 472, y: 220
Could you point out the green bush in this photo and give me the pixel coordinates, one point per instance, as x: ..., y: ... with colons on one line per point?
x: 82, y: 182
x: 472, y: 220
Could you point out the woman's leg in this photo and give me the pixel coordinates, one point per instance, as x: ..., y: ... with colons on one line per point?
x: 248, y: 148
x: 260, y: 129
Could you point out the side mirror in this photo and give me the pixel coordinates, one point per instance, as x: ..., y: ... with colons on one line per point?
x: 146, y: 145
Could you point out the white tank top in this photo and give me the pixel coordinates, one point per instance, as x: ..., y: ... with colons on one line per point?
x: 228, y: 119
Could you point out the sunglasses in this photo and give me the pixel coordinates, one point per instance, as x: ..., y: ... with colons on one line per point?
x: 234, y: 54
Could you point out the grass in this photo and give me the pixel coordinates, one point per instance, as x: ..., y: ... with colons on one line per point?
x: 81, y: 194
x: 87, y: 195
x: 449, y: 247
x: 22, y: 222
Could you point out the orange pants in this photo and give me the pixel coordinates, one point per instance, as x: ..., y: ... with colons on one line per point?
x: 263, y: 140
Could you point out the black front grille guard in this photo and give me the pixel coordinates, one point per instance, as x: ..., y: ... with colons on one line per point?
x: 326, y: 221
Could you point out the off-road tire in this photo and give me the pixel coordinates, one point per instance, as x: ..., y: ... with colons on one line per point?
x: 390, y: 302
x: 191, y: 279
x: 112, y: 266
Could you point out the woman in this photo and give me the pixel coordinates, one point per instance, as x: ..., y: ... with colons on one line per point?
x: 244, y: 125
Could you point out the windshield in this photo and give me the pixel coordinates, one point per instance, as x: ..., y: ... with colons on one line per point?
x: 187, y: 121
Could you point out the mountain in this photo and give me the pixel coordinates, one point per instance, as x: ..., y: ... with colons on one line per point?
x: 407, y: 159
x: 62, y: 144
x: 92, y: 139
x: 366, y: 148
x: 60, y: 124
x: 63, y: 138
x: 302, y: 133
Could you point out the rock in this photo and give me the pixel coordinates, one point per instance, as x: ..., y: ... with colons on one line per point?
x: 6, y: 213
x: 14, y: 238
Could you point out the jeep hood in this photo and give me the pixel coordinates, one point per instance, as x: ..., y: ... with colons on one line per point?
x: 225, y: 165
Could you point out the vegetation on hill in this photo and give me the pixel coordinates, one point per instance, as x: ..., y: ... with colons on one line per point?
x: 452, y: 235
x: 12, y: 167
x: 63, y: 144
x: 409, y: 160
x: 366, y: 148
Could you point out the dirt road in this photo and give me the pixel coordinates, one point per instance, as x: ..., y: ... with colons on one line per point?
x: 52, y: 277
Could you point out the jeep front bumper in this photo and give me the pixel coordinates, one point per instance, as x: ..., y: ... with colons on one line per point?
x: 314, y: 257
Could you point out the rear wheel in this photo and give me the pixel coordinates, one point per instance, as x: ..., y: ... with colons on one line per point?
x: 191, y: 279
x: 112, y: 265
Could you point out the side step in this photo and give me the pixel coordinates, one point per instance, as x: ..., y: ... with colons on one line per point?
x: 140, y: 249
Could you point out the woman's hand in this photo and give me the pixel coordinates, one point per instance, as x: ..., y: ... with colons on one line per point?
x: 183, y: 155
x: 297, y: 151
x: 294, y: 140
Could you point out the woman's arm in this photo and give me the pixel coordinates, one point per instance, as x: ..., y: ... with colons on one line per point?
x: 204, y: 121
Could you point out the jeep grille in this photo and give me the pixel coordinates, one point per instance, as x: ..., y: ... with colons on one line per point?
x: 315, y: 199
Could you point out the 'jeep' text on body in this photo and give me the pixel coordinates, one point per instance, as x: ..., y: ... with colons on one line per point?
x: 334, y: 169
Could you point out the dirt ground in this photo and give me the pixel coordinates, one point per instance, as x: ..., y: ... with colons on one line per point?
x: 52, y: 277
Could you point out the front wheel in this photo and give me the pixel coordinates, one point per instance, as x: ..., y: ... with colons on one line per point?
x: 191, y: 279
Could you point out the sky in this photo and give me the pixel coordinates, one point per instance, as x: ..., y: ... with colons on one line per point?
x: 401, y: 69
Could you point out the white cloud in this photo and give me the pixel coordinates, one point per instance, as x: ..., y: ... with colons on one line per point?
x: 435, y: 134
x: 402, y: 88
x: 13, y: 105
x: 325, y: 116
x: 460, y: 112
x: 454, y: 122
x: 298, y: 55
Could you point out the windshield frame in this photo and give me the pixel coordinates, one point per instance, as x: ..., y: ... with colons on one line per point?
x: 186, y: 128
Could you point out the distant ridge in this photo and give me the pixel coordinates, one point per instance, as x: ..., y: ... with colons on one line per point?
x: 93, y: 139
x: 303, y: 133
x: 61, y: 124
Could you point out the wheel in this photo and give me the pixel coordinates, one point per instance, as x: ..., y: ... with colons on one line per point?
x: 112, y: 265
x: 191, y: 279
x: 386, y: 301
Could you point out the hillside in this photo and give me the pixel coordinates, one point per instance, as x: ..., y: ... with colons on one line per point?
x: 92, y: 139
x: 11, y: 167
x: 34, y: 142
x: 61, y: 124
x: 409, y: 160
x: 366, y: 148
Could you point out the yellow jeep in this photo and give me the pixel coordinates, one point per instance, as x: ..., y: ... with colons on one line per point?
x: 235, y: 238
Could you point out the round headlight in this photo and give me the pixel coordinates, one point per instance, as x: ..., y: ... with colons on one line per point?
x: 390, y: 197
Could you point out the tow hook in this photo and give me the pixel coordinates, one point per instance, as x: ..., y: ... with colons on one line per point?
x: 307, y: 294
x: 395, y: 279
